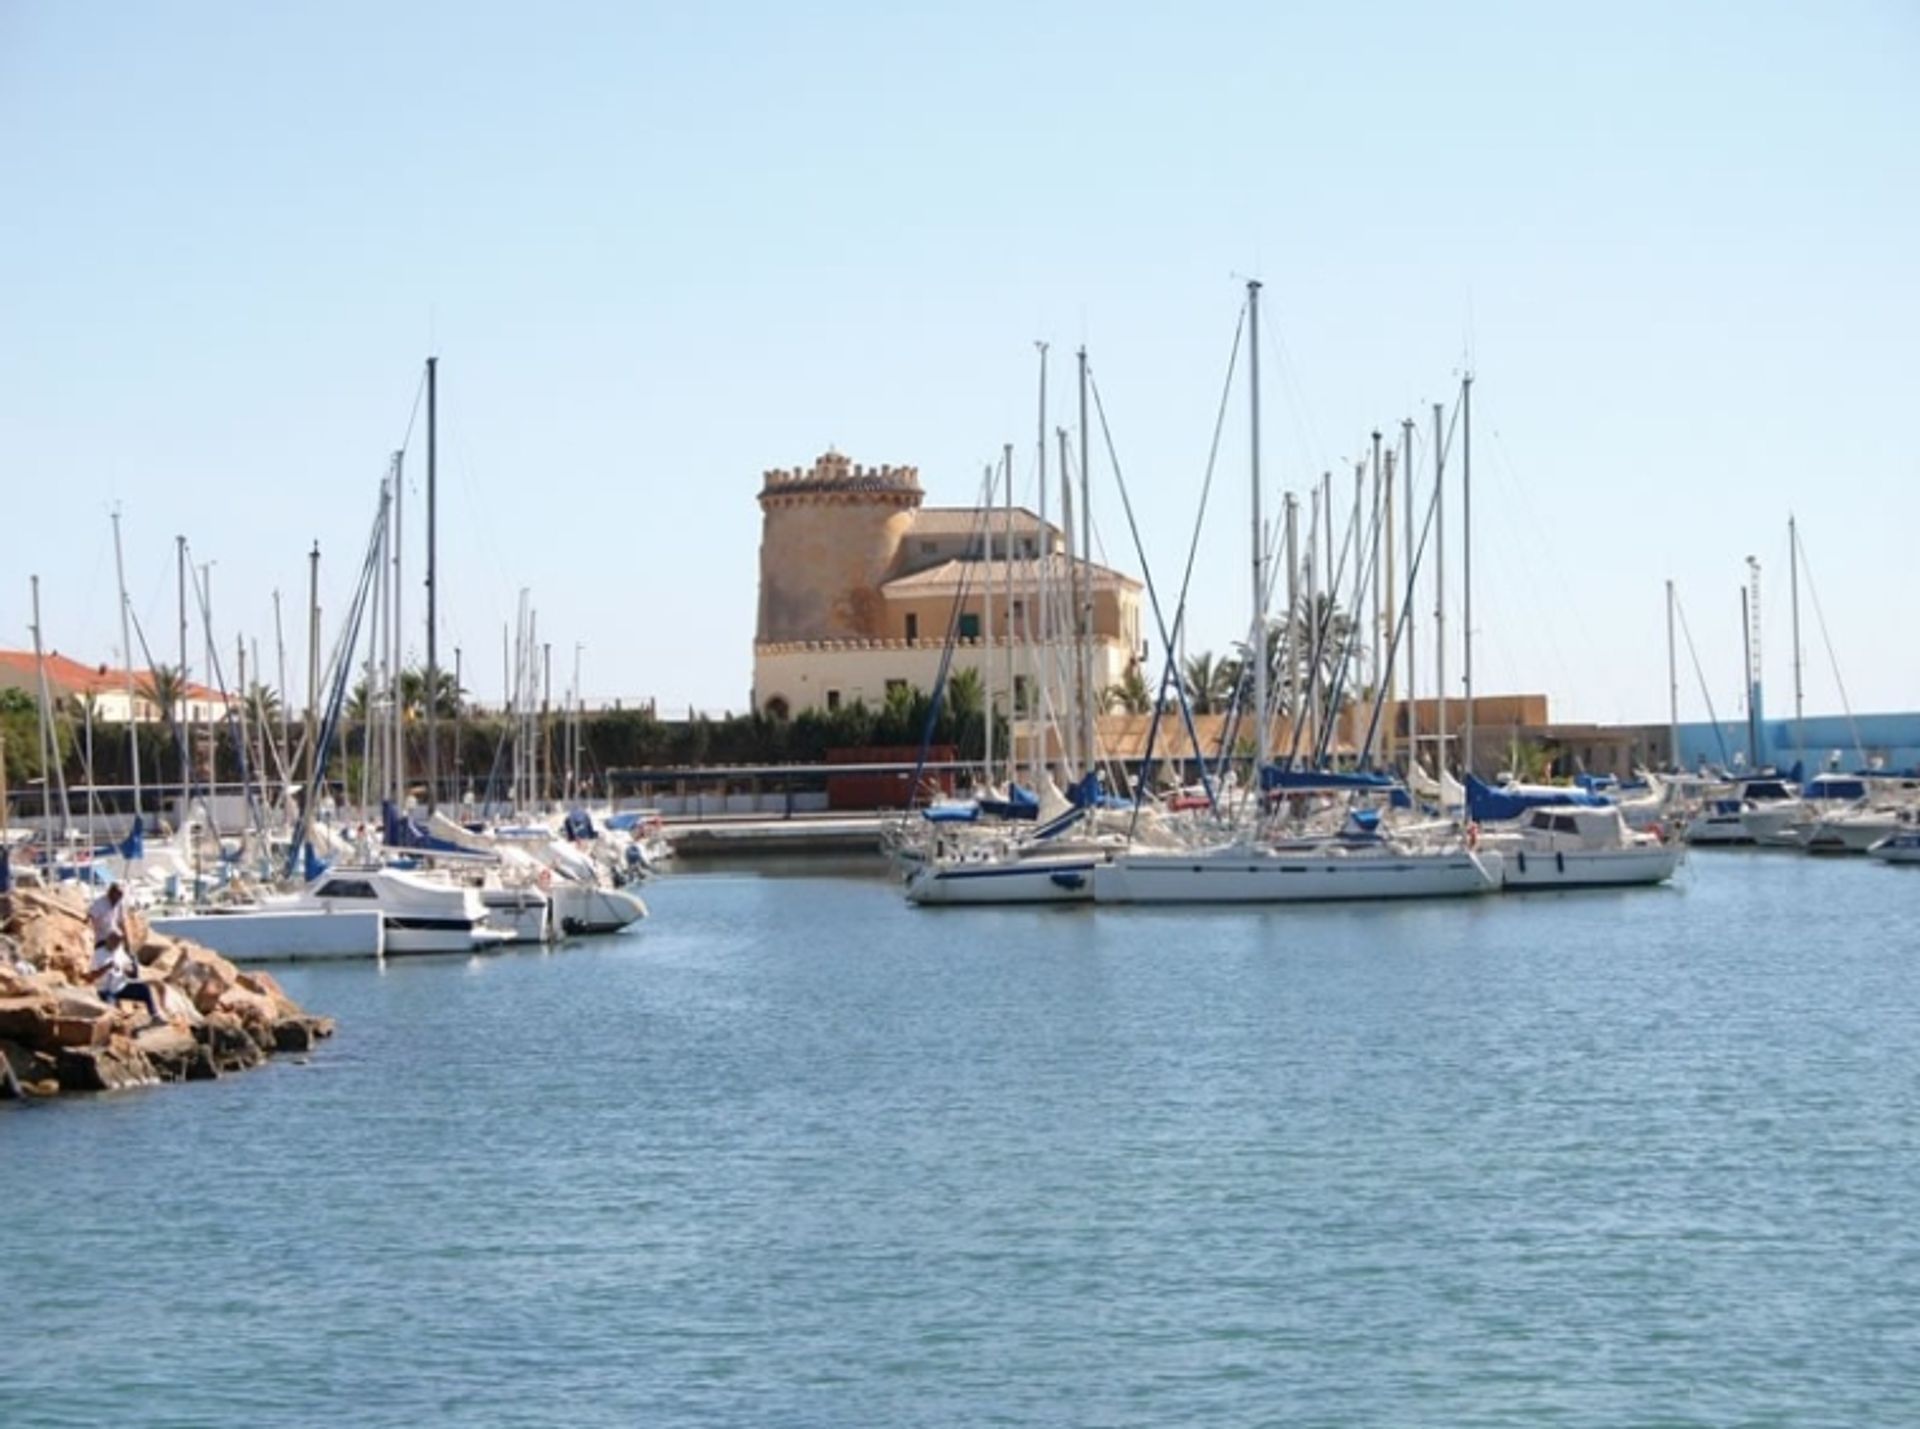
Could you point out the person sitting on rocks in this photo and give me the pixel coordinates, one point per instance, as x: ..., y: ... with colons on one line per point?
x: 114, y: 970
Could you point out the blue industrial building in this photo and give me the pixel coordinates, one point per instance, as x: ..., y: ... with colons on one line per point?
x: 1867, y: 741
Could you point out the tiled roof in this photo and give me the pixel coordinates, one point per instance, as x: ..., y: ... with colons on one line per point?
x: 946, y: 576
x: 968, y: 520
x: 20, y: 669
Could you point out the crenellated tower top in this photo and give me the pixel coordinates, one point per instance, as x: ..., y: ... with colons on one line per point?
x: 834, y: 479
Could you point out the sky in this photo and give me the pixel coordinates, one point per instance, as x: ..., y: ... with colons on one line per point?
x: 659, y: 249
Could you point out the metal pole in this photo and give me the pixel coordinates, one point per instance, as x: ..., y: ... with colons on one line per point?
x: 310, y: 799
x: 1466, y: 559
x: 1746, y: 642
x: 1392, y: 672
x: 1258, y: 652
x: 458, y: 721
x: 1673, y: 691
x: 1086, y: 585
x: 1069, y: 692
x: 126, y: 653
x: 986, y: 619
x: 433, y: 657
x: 280, y: 655
x: 1793, y: 577
x: 183, y: 727
x: 1413, y: 606
x: 1006, y: 556
x: 49, y: 743
x: 546, y: 722
x: 1292, y: 506
x: 398, y: 708
x: 1440, y: 606
x: 1039, y: 701
x: 1373, y: 622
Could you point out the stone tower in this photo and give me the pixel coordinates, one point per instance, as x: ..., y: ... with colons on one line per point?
x: 828, y: 538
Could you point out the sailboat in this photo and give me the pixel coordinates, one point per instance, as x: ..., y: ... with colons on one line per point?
x: 1369, y: 862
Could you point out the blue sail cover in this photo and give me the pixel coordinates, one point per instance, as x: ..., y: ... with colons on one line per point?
x: 315, y: 866
x: 134, y: 845
x: 398, y: 832
x: 1305, y: 781
x: 1020, y: 803
x: 6, y: 869
x: 966, y: 813
x: 578, y: 826
x: 1488, y: 805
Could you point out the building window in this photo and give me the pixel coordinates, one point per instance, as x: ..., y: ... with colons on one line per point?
x: 913, y: 627
x: 970, y: 626
x: 833, y: 699
x: 1019, y: 611
x: 1026, y: 549
x: 1020, y: 694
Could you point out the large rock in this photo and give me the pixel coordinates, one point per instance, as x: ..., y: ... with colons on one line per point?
x: 104, y: 1069
x: 23, y: 1018
x: 229, y: 1045
x: 58, y: 945
x: 204, y: 977
x: 172, y: 1052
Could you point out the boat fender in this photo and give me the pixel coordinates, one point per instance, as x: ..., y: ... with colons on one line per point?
x: 1657, y: 831
x: 1473, y: 836
x: 545, y: 880
x: 1560, y: 860
x: 1523, y: 861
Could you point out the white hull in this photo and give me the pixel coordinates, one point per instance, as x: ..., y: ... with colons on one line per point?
x: 1038, y: 880
x: 1260, y: 876
x: 520, y: 913
x: 1897, y: 848
x: 1589, y: 868
x: 269, y: 935
x: 579, y: 909
x: 1719, y: 831
x: 1849, y: 835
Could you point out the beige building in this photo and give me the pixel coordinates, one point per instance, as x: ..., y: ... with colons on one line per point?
x: 860, y: 585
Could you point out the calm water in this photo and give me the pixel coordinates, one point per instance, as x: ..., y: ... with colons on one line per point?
x: 795, y: 1153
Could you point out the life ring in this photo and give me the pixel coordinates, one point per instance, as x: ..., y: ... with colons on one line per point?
x: 1473, y: 837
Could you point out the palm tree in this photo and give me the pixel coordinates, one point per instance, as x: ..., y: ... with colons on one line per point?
x: 1210, y: 683
x: 413, y: 694
x: 1130, y: 694
x: 966, y: 695
x: 166, y: 689
x: 263, y: 705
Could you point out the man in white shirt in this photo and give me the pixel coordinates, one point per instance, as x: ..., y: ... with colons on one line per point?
x: 115, y: 974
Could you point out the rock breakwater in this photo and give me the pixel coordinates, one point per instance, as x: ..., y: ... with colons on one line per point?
x: 58, y: 1035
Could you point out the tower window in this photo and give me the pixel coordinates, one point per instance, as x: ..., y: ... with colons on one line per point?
x: 970, y: 626
x: 913, y: 627
x: 833, y: 699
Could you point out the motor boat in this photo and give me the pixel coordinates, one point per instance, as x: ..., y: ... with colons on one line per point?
x: 421, y: 914
x: 1252, y: 871
x: 1580, y: 847
x: 271, y: 933
x: 1901, y: 847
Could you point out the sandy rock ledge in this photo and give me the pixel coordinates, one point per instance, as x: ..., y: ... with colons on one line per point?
x: 56, y: 1035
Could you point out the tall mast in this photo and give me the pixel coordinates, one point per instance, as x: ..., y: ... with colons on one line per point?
x: 397, y: 709
x: 433, y: 658
x: 126, y: 654
x: 311, y: 803
x: 1006, y: 557
x: 1310, y: 633
x: 1291, y: 504
x: 1746, y: 642
x: 1466, y: 558
x: 206, y: 632
x: 49, y: 742
x: 1752, y: 612
x: 1793, y: 577
x: 184, y: 727
x: 1357, y: 609
x: 1087, y: 737
x: 458, y: 719
x: 1374, y: 619
x: 1440, y: 606
x: 986, y: 618
x: 1391, y: 619
x: 280, y: 655
x: 1037, y: 703
x: 1413, y: 605
x: 1673, y: 691
x: 1069, y: 688
x: 1258, y: 651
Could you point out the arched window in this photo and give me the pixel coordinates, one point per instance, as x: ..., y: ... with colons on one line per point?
x: 777, y: 708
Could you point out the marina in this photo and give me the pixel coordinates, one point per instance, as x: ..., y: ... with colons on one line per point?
x: 1162, y: 1164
